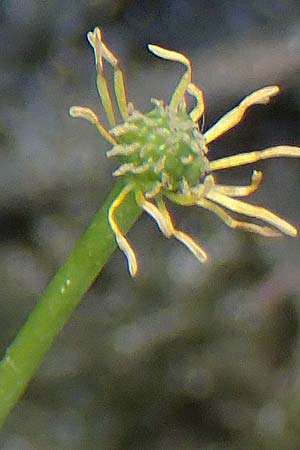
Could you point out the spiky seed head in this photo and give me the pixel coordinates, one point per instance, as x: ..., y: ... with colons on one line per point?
x: 151, y: 146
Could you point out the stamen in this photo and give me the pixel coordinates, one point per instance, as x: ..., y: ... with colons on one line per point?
x: 262, y: 96
x: 129, y: 253
x: 154, y: 212
x: 251, y: 157
x: 120, y: 239
x: 252, y: 211
x: 94, y: 38
x: 233, y: 223
x: 178, y: 96
x: 241, y: 191
x: 169, y: 54
x: 197, y: 251
x: 198, y: 111
x: 233, y: 117
x: 120, y: 93
x: 108, y: 56
x: 90, y: 116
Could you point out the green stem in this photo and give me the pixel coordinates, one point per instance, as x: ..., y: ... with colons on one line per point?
x: 91, y: 252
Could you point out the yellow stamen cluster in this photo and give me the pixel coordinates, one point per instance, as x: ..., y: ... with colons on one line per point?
x: 163, y: 154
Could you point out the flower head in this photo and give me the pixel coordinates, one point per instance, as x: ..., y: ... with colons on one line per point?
x: 163, y: 154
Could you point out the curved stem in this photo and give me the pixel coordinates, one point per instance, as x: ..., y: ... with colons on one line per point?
x: 24, y: 356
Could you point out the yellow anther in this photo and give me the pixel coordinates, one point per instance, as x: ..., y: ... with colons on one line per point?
x: 198, y: 111
x: 241, y: 191
x: 90, y: 116
x: 253, y: 211
x: 189, y: 242
x: 233, y: 117
x: 95, y: 39
x: 170, y: 55
x: 120, y: 239
x: 281, y: 151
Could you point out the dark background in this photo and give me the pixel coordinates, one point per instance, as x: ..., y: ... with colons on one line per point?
x: 186, y: 356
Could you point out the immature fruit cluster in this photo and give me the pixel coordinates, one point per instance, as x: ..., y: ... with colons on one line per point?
x: 163, y: 154
x: 160, y: 150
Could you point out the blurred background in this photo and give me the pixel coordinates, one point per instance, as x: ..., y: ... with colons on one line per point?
x: 186, y: 356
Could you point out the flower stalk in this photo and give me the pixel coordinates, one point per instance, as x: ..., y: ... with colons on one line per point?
x: 24, y: 356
